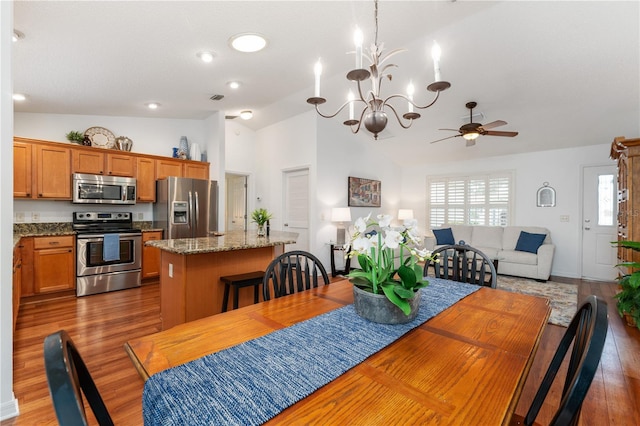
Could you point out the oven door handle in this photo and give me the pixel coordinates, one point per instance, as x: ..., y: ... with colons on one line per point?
x: 100, y: 238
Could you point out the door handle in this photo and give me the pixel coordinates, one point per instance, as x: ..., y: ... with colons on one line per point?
x: 197, y: 207
x: 587, y: 228
x: 286, y: 224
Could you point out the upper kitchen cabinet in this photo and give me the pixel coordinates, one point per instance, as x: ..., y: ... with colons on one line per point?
x: 146, y: 180
x: 22, y: 183
x: 52, y: 171
x: 169, y: 167
x: 196, y: 170
x: 98, y: 162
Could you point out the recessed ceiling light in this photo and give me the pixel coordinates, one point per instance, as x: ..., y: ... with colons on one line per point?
x: 17, y: 35
x: 248, y: 42
x: 233, y: 84
x: 19, y: 97
x: 206, y: 56
x: 246, y: 115
x: 153, y: 105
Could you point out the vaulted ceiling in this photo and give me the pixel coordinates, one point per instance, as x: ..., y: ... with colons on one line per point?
x: 563, y: 74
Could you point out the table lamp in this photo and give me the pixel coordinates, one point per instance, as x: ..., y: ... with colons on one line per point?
x: 405, y: 214
x: 340, y: 215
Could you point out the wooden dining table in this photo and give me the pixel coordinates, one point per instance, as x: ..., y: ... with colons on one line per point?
x: 466, y: 365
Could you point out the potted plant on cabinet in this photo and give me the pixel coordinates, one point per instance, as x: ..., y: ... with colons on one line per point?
x: 629, y: 296
x: 75, y: 137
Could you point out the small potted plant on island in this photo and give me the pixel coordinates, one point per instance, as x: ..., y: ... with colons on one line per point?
x: 261, y: 217
x: 384, y: 292
x: 629, y: 296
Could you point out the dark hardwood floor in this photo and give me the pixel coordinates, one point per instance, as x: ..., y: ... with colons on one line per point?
x: 101, y: 324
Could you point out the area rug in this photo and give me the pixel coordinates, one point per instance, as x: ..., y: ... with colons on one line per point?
x: 564, y: 297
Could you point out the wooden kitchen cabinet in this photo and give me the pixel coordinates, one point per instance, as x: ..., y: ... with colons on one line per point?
x: 53, y: 264
x: 150, y: 255
x: 196, y: 170
x: 145, y: 179
x: 97, y: 162
x: 168, y: 167
x: 22, y: 183
x: 16, y: 282
x: 52, y: 171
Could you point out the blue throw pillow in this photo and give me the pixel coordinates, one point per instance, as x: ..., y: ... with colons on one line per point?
x: 444, y: 236
x: 529, y: 242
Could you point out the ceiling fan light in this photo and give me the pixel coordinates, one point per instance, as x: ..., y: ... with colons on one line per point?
x: 471, y: 136
x: 246, y: 115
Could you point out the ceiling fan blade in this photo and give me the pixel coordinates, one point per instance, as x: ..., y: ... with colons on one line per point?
x: 493, y: 124
x: 500, y: 133
x: 443, y: 139
x: 470, y: 142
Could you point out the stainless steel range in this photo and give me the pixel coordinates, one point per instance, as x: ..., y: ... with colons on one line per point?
x: 109, y: 252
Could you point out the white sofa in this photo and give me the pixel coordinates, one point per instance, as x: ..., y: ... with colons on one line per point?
x: 500, y: 242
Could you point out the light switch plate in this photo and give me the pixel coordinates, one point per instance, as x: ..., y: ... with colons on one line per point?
x: 564, y: 218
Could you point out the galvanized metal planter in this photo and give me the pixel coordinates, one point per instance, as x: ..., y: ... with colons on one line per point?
x: 377, y: 308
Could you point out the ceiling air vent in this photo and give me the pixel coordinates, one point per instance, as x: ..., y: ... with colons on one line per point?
x: 216, y: 97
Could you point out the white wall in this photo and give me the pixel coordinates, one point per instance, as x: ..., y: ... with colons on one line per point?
x: 561, y: 168
x: 156, y: 136
x: 8, y: 403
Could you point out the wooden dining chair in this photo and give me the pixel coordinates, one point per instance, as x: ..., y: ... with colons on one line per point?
x: 462, y: 263
x: 292, y: 272
x: 68, y: 379
x: 587, y: 332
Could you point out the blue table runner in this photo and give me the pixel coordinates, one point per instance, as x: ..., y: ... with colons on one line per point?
x: 252, y: 382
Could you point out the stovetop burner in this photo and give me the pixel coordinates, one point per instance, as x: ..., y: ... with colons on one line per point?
x: 103, y: 222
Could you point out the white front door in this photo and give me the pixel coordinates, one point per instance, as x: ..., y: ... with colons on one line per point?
x: 599, y: 226
x: 296, y: 207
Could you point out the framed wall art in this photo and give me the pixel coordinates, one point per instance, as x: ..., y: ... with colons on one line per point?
x: 364, y: 192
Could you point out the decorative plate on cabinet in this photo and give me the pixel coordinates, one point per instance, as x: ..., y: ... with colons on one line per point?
x: 100, y: 137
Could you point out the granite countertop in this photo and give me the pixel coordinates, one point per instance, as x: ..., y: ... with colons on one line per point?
x: 234, y: 240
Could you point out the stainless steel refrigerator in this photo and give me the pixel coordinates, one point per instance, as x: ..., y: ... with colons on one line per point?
x: 186, y: 208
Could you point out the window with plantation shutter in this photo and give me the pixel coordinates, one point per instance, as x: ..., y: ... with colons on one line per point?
x: 472, y: 200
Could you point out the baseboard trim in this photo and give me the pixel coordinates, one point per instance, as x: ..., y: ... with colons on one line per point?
x: 9, y: 409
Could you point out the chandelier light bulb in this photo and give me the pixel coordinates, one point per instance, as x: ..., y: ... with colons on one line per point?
x: 435, y: 55
x: 153, y: 105
x: 357, y: 39
x: 317, y: 71
x: 410, y: 91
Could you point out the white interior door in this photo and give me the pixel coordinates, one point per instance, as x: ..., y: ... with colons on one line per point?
x: 236, y: 201
x: 599, y: 222
x: 296, y: 207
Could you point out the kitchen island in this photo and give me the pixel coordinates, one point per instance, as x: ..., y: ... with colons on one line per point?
x: 191, y: 268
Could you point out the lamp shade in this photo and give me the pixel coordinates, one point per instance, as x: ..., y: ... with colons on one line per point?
x: 341, y: 214
x: 405, y: 214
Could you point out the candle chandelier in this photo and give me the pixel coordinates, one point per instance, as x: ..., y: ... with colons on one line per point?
x: 375, y: 107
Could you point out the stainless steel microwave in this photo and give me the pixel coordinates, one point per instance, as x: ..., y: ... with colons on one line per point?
x: 98, y: 189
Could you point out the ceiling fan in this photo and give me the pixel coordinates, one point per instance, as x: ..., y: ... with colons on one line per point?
x: 472, y: 130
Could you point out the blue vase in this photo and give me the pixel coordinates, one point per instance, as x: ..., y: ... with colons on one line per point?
x: 183, y: 148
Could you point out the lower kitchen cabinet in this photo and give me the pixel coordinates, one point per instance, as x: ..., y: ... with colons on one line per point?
x: 53, y: 264
x: 150, y: 255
